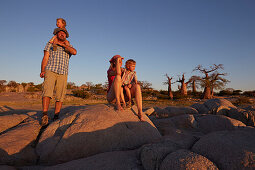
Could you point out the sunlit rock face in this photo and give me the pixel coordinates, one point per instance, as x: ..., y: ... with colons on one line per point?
x: 91, y: 130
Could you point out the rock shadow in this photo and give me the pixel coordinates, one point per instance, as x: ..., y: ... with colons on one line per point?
x: 120, y: 137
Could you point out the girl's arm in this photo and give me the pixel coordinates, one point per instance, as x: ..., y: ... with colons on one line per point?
x: 118, y: 66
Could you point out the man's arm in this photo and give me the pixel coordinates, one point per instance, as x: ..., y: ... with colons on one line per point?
x: 70, y: 49
x: 44, y: 63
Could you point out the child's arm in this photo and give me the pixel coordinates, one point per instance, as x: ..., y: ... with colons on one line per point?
x: 67, y: 43
x: 135, y: 78
x: 52, y: 39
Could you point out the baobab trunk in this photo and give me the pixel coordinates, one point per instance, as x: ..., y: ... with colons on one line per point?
x: 212, y: 92
x: 184, y: 89
x: 194, y: 90
x: 170, y: 93
x: 207, y: 93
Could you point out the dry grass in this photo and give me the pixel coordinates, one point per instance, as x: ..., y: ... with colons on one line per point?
x: 33, y: 101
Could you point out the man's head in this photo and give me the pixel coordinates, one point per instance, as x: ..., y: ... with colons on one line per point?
x: 61, y: 34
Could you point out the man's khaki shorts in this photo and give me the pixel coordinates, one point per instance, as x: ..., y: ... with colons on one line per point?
x: 54, y: 81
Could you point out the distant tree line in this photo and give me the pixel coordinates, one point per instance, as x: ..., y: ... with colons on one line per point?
x: 209, y: 80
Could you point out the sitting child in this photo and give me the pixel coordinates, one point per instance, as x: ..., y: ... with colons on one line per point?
x: 129, y: 78
x: 61, y: 23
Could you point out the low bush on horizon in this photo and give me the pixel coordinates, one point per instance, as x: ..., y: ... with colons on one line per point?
x: 81, y: 93
x: 242, y: 100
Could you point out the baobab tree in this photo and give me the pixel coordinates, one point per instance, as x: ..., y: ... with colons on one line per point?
x: 218, y: 82
x: 194, y: 80
x: 210, y: 79
x: 183, y: 85
x: 169, y: 83
x: 89, y: 84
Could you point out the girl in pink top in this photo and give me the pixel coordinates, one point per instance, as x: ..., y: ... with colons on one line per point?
x: 115, y: 90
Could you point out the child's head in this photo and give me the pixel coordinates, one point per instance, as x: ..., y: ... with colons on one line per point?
x: 61, y: 23
x: 130, y: 65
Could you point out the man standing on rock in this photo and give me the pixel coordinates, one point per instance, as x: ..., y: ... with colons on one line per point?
x: 54, y: 70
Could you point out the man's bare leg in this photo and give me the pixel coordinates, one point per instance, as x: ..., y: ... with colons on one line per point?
x: 45, y: 105
x: 58, y: 106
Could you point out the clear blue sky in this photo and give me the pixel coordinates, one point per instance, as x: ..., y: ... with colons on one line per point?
x: 163, y: 36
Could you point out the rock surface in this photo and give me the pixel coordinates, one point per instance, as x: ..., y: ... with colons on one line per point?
x: 11, y: 120
x: 211, y: 123
x: 124, y: 160
x: 229, y: 149
x: 224, y: 107
x: 184, y: 159
x: 174, y: 111
x: 92, y: 130
x: 152, y: 155
x: 16, y: 145
x: 98, y: 137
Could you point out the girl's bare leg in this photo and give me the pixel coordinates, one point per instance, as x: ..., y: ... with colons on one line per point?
x: 115, y: 92
x: 136, y: 92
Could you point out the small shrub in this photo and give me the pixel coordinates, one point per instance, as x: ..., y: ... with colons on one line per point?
x: 242, y: 100
x: 225, y: 93
x: 81, y: 93
x: 33, y: 89
x: 147, y: 93
x: 197, y: 95
x: 163, y: 96
x: 237, y: 92
x: 178, y: 95
x: 100, y: 91
x: 249, y: 93
x: 165, y: 92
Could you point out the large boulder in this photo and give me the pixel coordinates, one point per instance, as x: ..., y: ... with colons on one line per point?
x: 91, y: 130
x: 229, y: 149
x: 11, y: 120
x: 217, y: 104
x: 124, y: 160
x: 211, y: 123
x: 16, y: 145
x: 171, y: 111
x: 151, y: 155
x: 181, y: 130
x: 202, y: 109
x: 184, y: 159
x: 6, y: 167
x: 185, y: 121
x: 220, y: 106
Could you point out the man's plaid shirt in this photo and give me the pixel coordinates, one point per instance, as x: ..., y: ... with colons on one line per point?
x: 58, y: 60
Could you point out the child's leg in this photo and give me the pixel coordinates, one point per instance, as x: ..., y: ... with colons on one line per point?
x: 128, y: 95
x: 54, y: 44
x: 67, y: 42
x: 52, y: 39
x: 122, y: 97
